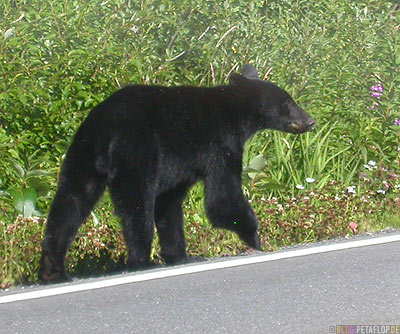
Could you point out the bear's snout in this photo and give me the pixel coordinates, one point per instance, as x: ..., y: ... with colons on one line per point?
x: 301, y: 126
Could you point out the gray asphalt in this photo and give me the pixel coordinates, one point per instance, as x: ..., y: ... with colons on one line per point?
x: 308, y: 294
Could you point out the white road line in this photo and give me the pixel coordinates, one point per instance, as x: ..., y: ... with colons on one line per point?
x: 190, y: 269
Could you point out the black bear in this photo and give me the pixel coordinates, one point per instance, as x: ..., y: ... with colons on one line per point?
x: 149, y: 145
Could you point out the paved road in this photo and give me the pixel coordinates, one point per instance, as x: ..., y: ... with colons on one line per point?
x: 303, y: 294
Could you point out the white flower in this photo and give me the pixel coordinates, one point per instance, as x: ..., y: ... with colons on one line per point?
x: 9, y: 33
x: 337, y: 198
x: 310, y: 180
x: 351, y: 190
x: 372, y: 163
x: 367, y: 167
x: 380, y: 191
x: 299, y: 186
x: 95, y: 220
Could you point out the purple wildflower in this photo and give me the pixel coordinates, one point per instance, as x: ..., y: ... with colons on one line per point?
x: 377, y: 95
x: 396, y: 121
x: 377, y: 88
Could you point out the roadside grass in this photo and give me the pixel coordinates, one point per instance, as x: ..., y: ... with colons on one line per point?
x: 340, y: 61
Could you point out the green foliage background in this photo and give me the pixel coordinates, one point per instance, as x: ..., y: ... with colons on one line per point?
x: 58, y: 59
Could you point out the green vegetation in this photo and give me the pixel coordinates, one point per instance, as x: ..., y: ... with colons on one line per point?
x: 339, y: 59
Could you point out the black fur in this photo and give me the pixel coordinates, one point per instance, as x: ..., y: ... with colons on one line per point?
x: 149, y: 145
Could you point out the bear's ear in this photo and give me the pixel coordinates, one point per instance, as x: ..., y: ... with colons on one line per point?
x: 236, y: 79
x: 250, y: 72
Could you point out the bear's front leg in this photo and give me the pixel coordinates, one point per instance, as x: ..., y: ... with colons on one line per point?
x: 227, y: 207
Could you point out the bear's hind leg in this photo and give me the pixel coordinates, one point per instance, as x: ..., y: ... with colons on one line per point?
x: 73, y: 202
x: 134, y: 205
x: 169, y: 223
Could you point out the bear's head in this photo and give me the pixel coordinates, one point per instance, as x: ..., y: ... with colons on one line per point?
x: 274, y: 106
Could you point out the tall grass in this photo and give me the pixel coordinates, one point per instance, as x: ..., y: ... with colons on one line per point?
x: 287, y: 161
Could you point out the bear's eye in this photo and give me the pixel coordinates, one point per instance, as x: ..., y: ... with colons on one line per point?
x: 285, y: 110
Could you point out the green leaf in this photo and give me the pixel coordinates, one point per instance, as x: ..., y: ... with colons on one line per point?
x: 398, y: 59
x: 273, y: 186
x: 33, y: 173
x: 364, y: 153
x: 251, y: 173
x: 41, y: 187
x: 256, y: 165
x: 17, y: 199
x: 24, y: 201
x: 29, y: 201
x: 18, y: 168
